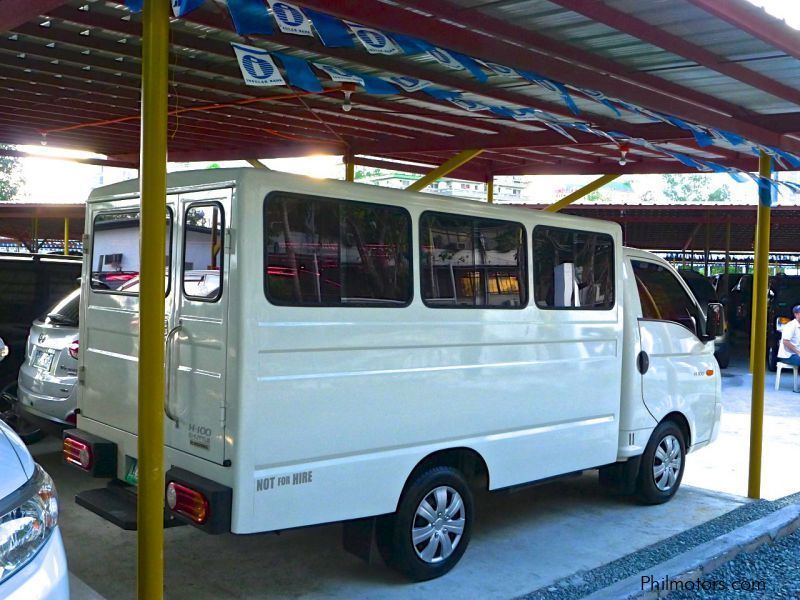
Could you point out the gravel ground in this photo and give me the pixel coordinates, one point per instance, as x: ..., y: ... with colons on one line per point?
x: 584, y: 583
x: 771, y: 571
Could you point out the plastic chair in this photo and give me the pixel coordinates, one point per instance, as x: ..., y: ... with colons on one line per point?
x: 781, y: 367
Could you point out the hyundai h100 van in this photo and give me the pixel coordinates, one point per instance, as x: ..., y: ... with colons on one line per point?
x: 341, y: 352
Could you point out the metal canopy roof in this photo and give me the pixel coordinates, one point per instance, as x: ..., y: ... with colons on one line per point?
x: 726, y: 65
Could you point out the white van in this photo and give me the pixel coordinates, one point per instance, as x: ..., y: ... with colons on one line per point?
x: 338, y: 352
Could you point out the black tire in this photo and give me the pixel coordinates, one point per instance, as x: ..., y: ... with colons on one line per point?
x: 648, y: 489
x: 395, y: 531
x: 772, y: 358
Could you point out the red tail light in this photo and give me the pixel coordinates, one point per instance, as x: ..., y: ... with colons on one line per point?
x: 187, y: 502
x: 73, y: 349
x: 77, y: 453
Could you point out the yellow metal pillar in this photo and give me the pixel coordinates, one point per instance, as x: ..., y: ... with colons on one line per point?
x: 66, y: 236
x: 758, y: 340
x: 153, y: 182
x: 725, y: 286
x: 442, y: 171
x: 490, y: 189
x: 349, y: 167
x: 584, y: 191
x: 254, y: 162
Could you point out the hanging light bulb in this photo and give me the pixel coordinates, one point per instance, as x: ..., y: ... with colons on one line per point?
x: 347, y: 104
x: 623, y: 154
x: 44, y: 139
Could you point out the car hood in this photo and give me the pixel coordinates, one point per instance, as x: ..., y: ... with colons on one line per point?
x: 16, y: 463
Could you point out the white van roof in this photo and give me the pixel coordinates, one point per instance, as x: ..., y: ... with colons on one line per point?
x: 199, y: 179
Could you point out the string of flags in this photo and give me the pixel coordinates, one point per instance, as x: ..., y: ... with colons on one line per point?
x: 260, y: 67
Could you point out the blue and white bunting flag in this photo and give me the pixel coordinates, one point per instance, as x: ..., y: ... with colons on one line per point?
x: 470, y: 105
x: 374, y: 41
x: 409, y: 84
x: 249, y: 17
x: 338, y: 74
x: 331, y: 30
x: 445, y: 58
x: 499, y: 69
x: 257, y: 66
x: 182, y: 7
x: 299, y: 73
x: 135, y: 6
x: 290, y: 19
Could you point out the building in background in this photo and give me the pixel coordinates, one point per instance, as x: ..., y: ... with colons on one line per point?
x: 506, y: 189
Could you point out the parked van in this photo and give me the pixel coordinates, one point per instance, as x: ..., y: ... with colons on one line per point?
x: 371, y: 356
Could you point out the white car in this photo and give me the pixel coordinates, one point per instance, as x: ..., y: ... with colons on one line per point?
x: 32, y: 560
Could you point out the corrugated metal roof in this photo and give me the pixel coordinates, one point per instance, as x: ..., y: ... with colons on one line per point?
x: 79, y: 66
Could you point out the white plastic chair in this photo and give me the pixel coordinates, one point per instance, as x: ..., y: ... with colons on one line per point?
x: 781, y: 367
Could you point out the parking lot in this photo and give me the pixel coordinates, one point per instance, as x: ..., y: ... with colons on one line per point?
x: 522, y: 541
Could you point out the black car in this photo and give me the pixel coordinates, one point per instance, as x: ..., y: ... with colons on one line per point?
x: 704, y: 292
x: 785, y: 294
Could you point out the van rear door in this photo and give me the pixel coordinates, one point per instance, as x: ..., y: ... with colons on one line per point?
x: 677, y: 367
x: 196, y: 343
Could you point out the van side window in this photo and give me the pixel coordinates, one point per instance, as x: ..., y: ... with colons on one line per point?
x: 469, y: 262
x: 663, y: 297
x: 115, y: 252
x: 203, y: 231
x: 327, y: 252
x: 572, y: 269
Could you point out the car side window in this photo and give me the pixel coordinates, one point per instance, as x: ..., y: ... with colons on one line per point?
x: 204, y: 227
x: 663, y: 297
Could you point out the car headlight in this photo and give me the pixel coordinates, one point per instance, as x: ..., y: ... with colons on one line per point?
x: 27, y: 526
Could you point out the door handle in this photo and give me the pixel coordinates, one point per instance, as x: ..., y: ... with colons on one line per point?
x: 642, y: 362
x: 173, y: 333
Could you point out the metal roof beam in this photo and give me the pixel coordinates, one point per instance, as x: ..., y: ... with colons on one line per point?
x: 755, y: 21
x: 603, y: 13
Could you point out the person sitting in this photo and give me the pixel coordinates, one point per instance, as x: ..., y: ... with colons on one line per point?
x: 789, y: 348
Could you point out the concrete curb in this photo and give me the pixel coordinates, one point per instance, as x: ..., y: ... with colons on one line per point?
x: 701, y: 560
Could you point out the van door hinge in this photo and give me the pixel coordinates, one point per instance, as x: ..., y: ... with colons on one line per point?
x: 222, y: 416
x: 85, y: 241
x: 229, y: 234
x: 81, y: 375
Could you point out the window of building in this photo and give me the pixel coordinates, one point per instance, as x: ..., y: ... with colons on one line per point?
x: 203, y: 241
x: 573, y: 269
x: 326, y: 252
x: 115, y: 252
x: 664, y: 298
x: 472, y: 263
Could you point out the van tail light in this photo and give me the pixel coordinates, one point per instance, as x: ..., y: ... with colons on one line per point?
x: 73, y: 349
x: 78, y: 454
x: 187, y: 502
x: 201, y: 502
x: 88, y: 452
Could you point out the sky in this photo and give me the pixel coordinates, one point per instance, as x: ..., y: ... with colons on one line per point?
x: 57, y: 181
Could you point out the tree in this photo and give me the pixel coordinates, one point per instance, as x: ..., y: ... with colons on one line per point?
x: 10, y: 176
x: 693, y: 188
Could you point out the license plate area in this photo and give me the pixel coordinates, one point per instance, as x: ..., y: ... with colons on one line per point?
x: 42, y: 358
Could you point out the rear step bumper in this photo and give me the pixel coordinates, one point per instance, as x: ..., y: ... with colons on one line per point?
x: 116, y: 503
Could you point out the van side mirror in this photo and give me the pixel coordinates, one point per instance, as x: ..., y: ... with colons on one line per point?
x: 714, y: 320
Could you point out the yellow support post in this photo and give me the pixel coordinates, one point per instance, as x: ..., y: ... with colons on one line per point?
x: 584, y: 191
x: 446, y: 168
x: 349, y: 167
x: 254, y: 162
x: 758, y: 341
x: 490, y: 189
x: 66, y: 236
x: 153, y: 183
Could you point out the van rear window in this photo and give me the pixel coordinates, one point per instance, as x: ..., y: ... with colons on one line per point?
x: 331, y: 252
x: 115, y: 252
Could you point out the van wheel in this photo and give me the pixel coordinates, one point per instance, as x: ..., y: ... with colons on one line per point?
x: 662, y: 465
x: 430, y: 531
